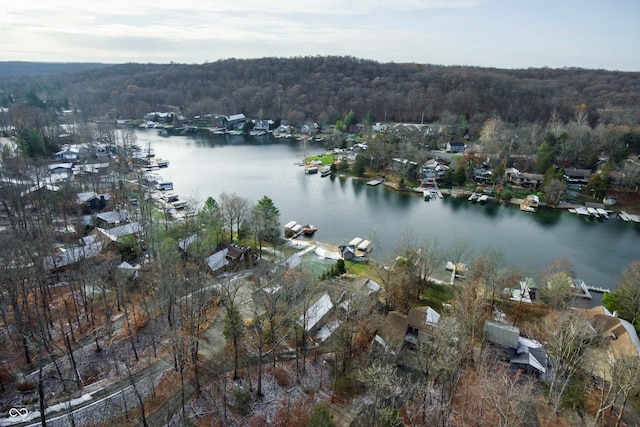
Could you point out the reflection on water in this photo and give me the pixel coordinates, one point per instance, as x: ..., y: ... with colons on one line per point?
x: 344, y: 208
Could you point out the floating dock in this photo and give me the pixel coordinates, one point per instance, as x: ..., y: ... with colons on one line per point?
x: 375, y: 182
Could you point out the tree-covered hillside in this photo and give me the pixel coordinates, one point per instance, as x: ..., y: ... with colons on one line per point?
x: 323, y: 89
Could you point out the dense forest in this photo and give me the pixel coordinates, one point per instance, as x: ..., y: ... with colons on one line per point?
x: 323, y: 89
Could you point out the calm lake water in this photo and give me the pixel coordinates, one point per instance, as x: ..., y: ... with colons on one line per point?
x: 344, y: 208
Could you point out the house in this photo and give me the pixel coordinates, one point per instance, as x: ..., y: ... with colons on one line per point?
x: 230, y: 257
x: 482, y: 174
x: 39, y: 189
x: 434, y: 170
x: 400, y: 164
x: 391, y: 334
x: 60, y: 168
x: 455, y: 147
x: 235, y: 121
x: 523, y: 353
x: 90, y: 201
x: 101, y: 150
x: 348, y: 252
x: 68, y: 257
x: 380, y: 127
x: 111, y: 219
x: 113, y: 234
x: 419, y: 323
x: 619, y: 335
x: 529, y: 180
x: 217, y: 261
x: 577, y: 176
x: 524, y: 293
x: 186, y: 242
x: 129, y: 271
x: 67, y: 155
x: 400, y: 331
x: 262, y: 125
x: 314, y: 315
x: 240, y: 257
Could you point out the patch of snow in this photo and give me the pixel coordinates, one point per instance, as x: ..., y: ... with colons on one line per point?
x: 323, y: 253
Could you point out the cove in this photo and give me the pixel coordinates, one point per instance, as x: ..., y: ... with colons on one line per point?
x: 344, y: 208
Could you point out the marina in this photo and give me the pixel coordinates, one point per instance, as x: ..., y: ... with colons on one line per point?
x: 343, y: 207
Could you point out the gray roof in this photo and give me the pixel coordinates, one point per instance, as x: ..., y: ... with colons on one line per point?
x: 502, y: 334
x: 217, y: 260
x: 71, y: 256
x: 113, y: 217
x: 124, y: 230
x: 82, y: 198
x: 185, y: 243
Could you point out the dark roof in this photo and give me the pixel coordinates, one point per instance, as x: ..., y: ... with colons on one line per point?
x: 585, y: 173
x: 235, y: 252
x: 456, y: 144
x: 393, y: 330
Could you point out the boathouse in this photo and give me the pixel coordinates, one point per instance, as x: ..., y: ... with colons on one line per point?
x: 235, y: 121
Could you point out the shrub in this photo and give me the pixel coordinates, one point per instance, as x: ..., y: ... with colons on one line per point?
x: 25, y: 386
x: 507, y: 194
x: 282, y: 377
x: 321, y: 417
x: 243, y: 401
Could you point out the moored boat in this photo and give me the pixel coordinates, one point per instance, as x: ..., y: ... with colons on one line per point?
x: 309, y: 229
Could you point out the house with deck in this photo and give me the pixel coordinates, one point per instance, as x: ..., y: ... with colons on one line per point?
x: 527, y: 180
x: 576, y: 176
x: 231, y: 257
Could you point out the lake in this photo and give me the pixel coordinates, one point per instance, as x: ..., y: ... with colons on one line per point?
x: 344, y: 208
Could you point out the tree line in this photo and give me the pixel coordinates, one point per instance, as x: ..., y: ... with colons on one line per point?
x: 323, y: 89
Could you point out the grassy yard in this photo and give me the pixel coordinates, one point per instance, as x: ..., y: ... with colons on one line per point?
x: 435, y: 295
x: 326, y: 159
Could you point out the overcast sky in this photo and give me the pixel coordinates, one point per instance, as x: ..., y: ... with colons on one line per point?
x: 491, y: 33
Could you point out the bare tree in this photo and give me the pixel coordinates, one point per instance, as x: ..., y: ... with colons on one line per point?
x: 234, y: 209
x: 567, y: 336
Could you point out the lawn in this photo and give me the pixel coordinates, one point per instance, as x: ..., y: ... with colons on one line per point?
x: 326, y: 159
x: 436, y: 295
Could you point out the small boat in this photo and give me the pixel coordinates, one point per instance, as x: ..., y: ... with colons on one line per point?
x: 593, y: 212
x: 483, y: 198
x: 326, y: 171
x: 582, y: 211
x: 166, y: 185
x: 310, y: 169
x: 473, y: 197
x: 179, y: 205
x: 162, y: 163
x: 309, y: 229
x: 170, y: 197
